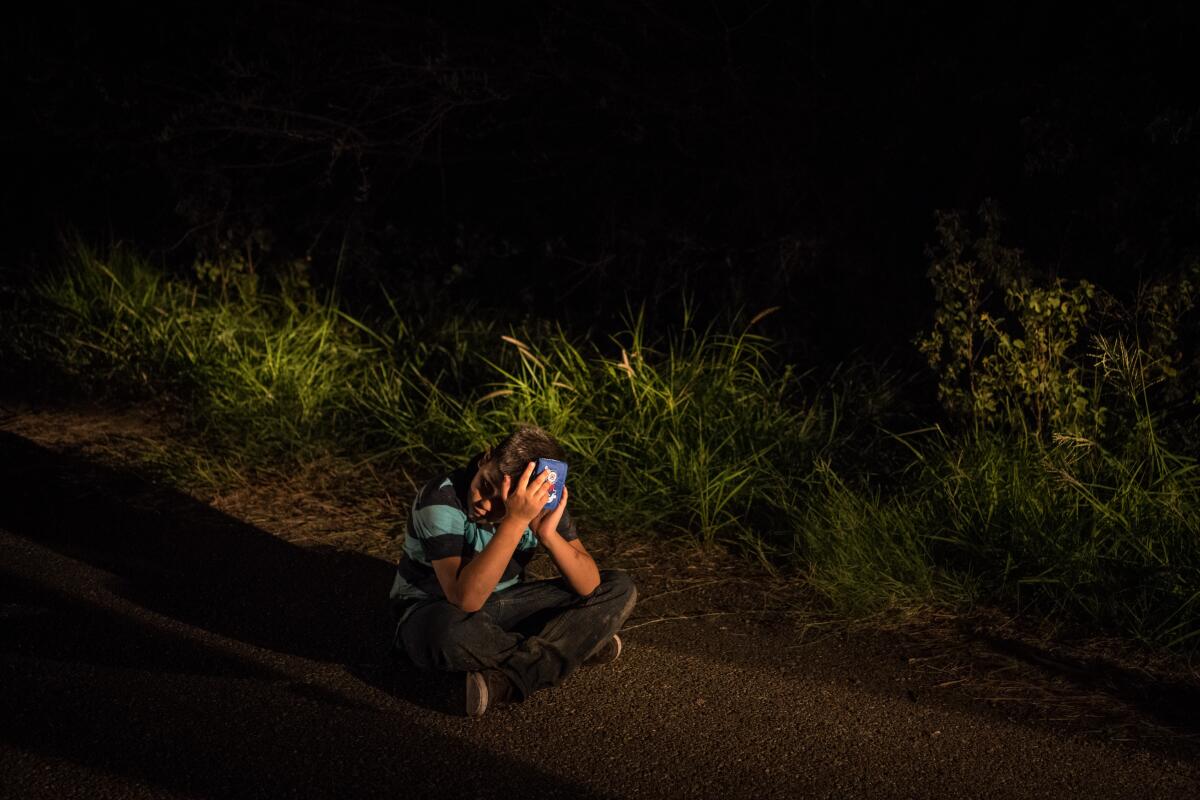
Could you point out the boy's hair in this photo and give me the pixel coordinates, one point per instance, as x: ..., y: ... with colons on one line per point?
x: 527, y: 443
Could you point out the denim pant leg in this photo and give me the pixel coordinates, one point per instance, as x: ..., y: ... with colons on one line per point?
x: 438, y: 635
x: 566, y: 628
x: 537, y: 633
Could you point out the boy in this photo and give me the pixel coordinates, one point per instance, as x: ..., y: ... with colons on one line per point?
x: 460, y: 597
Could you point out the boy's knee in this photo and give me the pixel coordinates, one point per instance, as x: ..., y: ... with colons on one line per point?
x: 432, y: 634
x: 618, y: 582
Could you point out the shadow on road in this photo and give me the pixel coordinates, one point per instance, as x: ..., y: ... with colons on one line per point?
x: 121, y: 692
x: 1173, y: 703
x: 182, y: 558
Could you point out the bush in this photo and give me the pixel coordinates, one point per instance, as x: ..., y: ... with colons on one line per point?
x: 1022, y: 370
x: 1065, y: 489
x: 1029, y: 363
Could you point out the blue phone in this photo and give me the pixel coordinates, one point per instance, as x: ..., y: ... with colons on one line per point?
x: 558, y: 476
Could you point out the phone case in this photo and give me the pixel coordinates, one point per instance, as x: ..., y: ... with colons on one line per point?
x: 558, y: 470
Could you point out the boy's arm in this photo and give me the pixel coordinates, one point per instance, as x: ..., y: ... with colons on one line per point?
x: 571, y: 558
x: 469, y: 586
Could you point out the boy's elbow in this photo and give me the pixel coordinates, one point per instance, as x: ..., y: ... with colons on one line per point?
x: 469, y: 605
x: 461, y: 596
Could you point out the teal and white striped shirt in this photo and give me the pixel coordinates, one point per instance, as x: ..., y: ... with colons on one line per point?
x: 438, y: 527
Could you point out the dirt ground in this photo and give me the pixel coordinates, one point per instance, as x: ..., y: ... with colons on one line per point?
x: 159, y: 640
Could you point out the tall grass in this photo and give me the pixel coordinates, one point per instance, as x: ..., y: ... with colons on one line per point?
x: 701, y: 431
x: 269, y: 370
x: 697, y: 433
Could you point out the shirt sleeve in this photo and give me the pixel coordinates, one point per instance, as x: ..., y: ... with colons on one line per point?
x: 439, y: 529
x: 566, y: 527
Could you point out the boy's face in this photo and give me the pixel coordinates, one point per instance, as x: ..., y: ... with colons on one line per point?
x: 484, y: 501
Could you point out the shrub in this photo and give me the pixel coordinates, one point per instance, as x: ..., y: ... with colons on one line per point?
x: 1016, y: 363
x: 1012, y: 351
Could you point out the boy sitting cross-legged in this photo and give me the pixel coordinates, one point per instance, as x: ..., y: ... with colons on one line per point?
x: 460, y: 597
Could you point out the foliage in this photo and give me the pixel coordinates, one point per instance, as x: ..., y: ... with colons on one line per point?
x: 702, y: 432
x: 698, y: 433
x: 1026, y: 364
x: 1021, y: 369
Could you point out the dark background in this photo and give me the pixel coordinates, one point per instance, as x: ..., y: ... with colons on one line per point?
x: 562, y: 160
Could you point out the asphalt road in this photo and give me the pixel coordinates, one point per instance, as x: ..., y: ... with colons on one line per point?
x: 151, y: 646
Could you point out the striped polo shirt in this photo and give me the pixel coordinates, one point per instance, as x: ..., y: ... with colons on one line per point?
x: 438, y: 527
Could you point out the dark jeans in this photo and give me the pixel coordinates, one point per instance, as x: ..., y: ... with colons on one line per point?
x: 536, y: 633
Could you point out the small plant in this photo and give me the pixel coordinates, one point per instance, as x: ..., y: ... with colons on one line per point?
x: 1016, y: 364
x: 1035, y: 367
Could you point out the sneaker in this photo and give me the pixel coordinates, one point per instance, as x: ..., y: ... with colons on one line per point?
x: 605, y: 653
x: 485, y: 689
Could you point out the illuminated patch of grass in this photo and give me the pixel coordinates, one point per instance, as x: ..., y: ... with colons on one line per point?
x: 697, y: 433
x: 268, y: 371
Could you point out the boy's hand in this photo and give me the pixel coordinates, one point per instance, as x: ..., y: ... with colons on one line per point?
x: 526, y: 501
x: 549, y: 520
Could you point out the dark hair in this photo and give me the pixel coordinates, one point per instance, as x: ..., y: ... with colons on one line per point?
x: 527, y: 443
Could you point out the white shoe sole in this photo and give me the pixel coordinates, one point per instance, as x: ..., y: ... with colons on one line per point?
x: 477, y: 694
x: 616, y: 655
